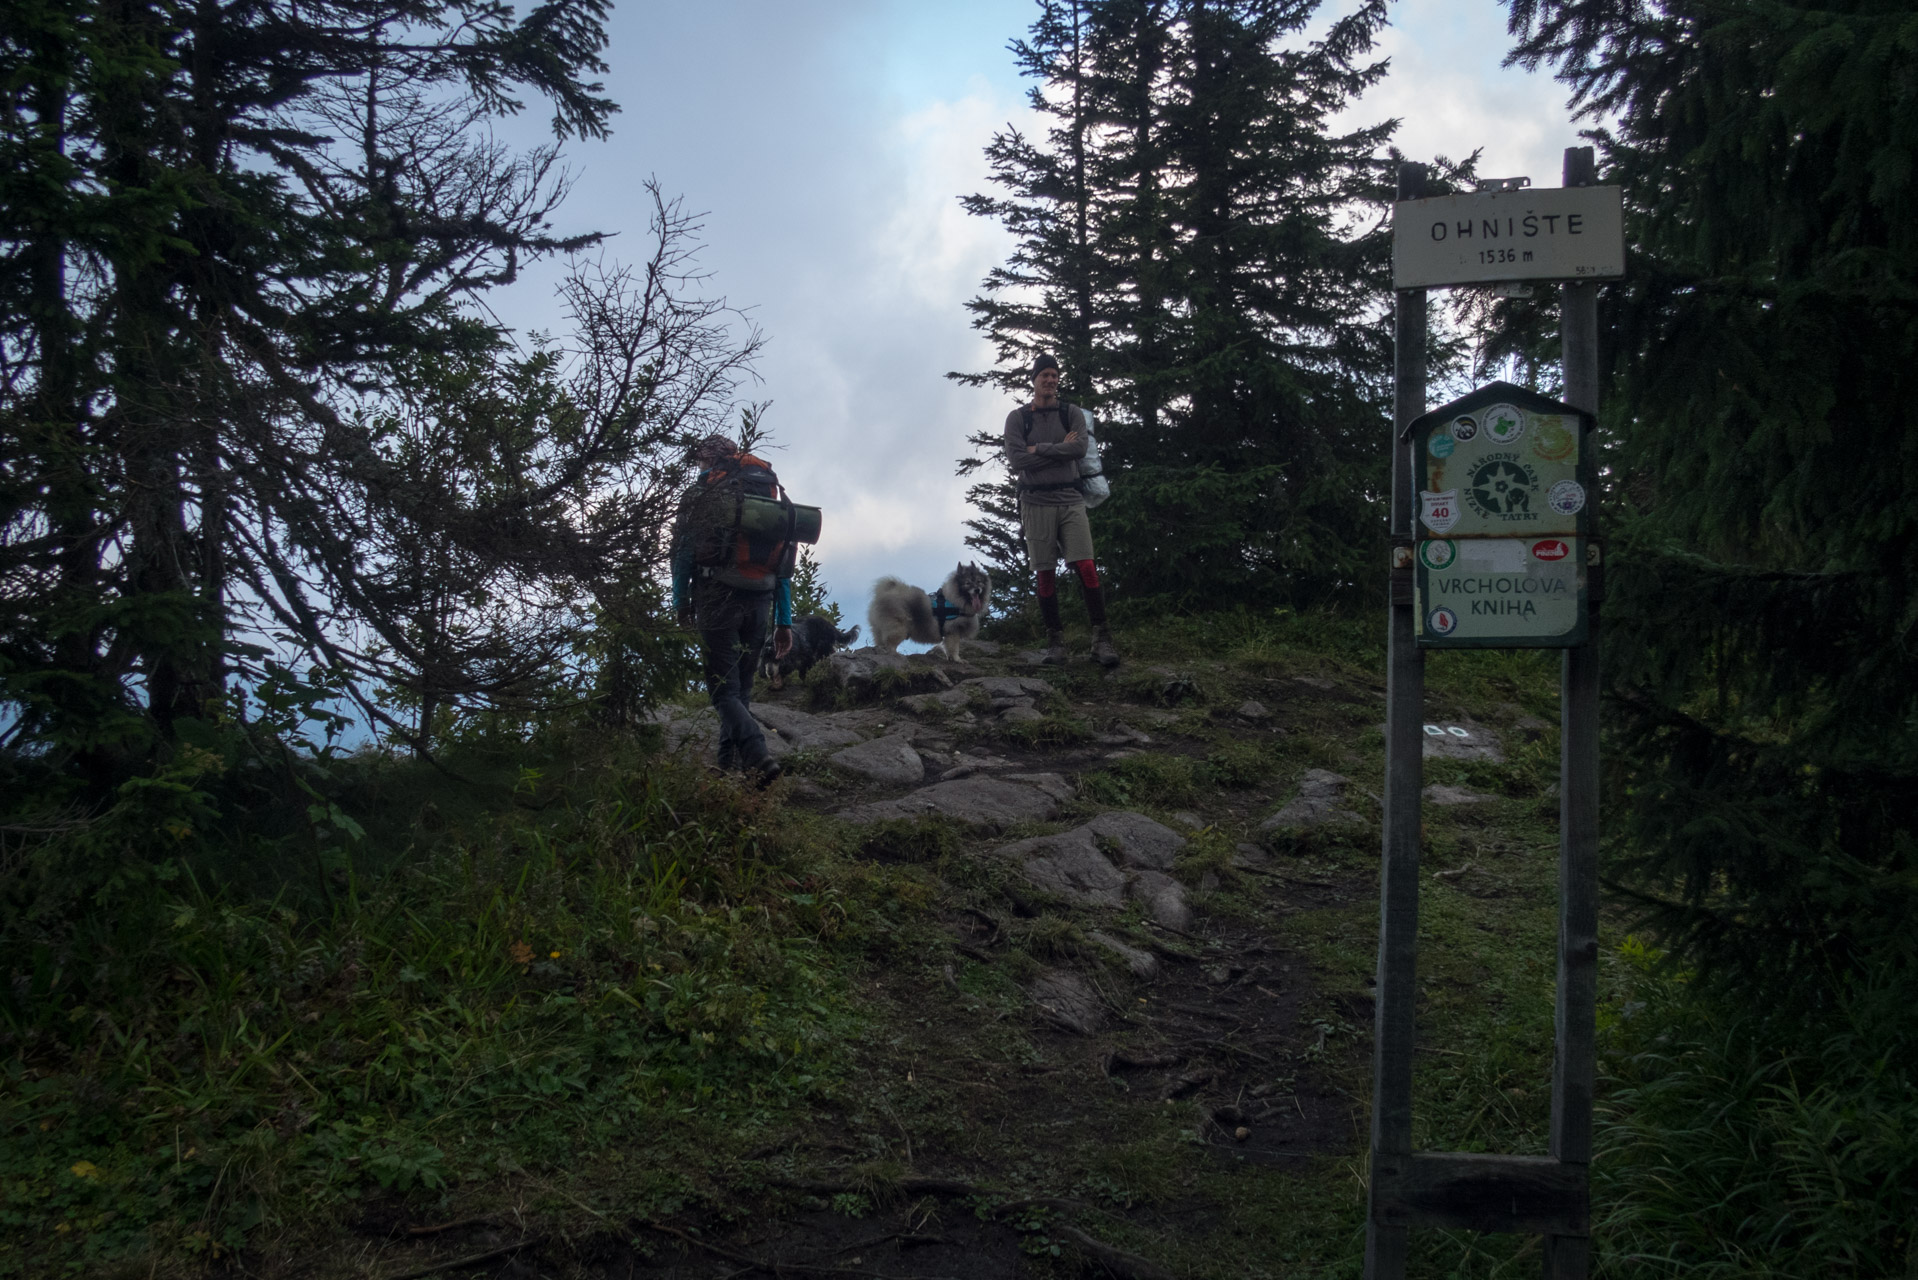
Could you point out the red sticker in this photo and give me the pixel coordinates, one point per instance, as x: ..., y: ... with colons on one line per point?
x: 1551, y: 549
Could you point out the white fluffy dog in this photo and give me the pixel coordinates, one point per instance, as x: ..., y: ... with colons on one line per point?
x: 945, y: 618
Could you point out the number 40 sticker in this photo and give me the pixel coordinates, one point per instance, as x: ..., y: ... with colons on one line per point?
x: 1438, y: 511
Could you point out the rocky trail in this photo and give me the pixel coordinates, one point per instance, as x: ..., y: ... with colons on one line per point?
x: 1129, y: 1031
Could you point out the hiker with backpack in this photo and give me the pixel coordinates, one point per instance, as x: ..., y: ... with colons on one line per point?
x: 1045, y: 443
x: 734, y: 551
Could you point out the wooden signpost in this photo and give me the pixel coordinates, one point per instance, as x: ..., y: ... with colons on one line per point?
x: 1493, y: 506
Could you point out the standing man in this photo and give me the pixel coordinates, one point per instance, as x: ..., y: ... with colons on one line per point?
x: 726, y: 582
x: 1044, y: 442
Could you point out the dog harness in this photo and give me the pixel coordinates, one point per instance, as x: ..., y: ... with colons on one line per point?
x: 943, y: 610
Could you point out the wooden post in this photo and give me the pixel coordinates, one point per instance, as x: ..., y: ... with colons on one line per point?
x: 1568, y: 1257
x: 1397, y: 985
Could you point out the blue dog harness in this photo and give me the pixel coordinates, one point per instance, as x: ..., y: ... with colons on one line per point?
x: 943, y: 610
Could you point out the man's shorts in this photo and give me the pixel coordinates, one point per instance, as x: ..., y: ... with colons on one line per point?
x: 1055, y: 533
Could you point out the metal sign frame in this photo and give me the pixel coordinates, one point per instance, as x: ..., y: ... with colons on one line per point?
x: 1545, y: 1195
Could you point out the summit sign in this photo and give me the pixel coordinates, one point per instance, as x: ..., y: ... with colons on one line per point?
x: 1491, y: 237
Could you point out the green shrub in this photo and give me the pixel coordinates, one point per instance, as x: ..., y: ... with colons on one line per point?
x: 1731, y: 1144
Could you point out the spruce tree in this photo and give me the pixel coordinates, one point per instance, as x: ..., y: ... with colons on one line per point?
x: 1763, y: 362
x: 1184, y: 248
x: 239, y: 242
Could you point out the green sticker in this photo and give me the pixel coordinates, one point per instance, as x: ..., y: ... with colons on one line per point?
x: 1438, y: 554
x: 1441, y: 446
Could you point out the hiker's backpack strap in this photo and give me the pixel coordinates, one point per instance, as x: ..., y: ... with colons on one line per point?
x: 1065, y: 420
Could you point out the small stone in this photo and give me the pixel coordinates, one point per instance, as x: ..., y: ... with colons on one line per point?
x: 1208, y: 882
x: 1021, y: 715
x: 1163, y: 899
x: 1067, y: 1000
x: 1446, y: 794
x: 1249, y: 857
x: 1143, y: 964
x: 1253, y: 711
x: 1186, y: 819
x: 1241, y: 1133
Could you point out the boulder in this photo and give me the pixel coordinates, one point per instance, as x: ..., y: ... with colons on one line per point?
x: 1143, y: 964
x: 798, y: 729
x: 1071, y: 865
x: 1320, y: 802
x: 1020, y: 715
x: 1069, y: 1001
x: 1139, y: 841
x: 891, y: 760
x: 985, y: 802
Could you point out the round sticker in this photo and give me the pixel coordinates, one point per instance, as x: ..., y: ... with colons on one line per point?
x: 1503, y: 424
x: 1567, y: 497
x: 1464, y: 429
x: 1553, y: 441
x: 1503, y: 488
x: 1440, y: 446
x: 1439, y: 554
x: 1442, y: 621
x: 1551, y: 549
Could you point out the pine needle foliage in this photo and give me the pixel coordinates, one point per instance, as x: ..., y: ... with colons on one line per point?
x: 1763, y: 361
x: 1188, y: 247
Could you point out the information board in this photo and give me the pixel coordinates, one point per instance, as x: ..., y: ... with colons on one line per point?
x: 1487, y: 237
x: 1501, y: 593
x: 1502, y: 470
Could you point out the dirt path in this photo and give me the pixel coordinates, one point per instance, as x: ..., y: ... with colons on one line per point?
x: 1127, y: 1018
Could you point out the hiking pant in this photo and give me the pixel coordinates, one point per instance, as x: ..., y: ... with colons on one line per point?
x: 732, y: 633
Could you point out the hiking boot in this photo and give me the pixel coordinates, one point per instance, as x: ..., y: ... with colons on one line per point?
x: 765, y: 773
x: 1102, y: 649
x: 1055, y: 649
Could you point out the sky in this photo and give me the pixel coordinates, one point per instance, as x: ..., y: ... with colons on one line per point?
x: 827, y: 143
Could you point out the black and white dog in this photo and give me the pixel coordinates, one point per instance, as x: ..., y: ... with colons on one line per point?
x: 814, y: 639
x: 945, y: 618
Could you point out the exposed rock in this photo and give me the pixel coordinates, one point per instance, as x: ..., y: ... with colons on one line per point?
x: 1068, y: 1000
x: 1316, y: 682
x: 1071, y: 865
x: 798, y: 729
x: 1162, y: 897
x: 890, y: 760
x: 1187, y: 819
x: 855, y: 671
x: 1445, y: 793
x: 806, y: 789
x: 1462, y: 742
x: 1006, y: 704
x: 1141, y: 962
x: 1319, y: 803
x: 1249, y: 857
x: 1053, y: 784
x: 1020, y: 715
x: 1008, y: 686
x: 985, y: 647
x: 1123, y: 734
x: 1253, y: 711
x: 1138, y: 840
x: 986, y: 802
x: 1208, y: 882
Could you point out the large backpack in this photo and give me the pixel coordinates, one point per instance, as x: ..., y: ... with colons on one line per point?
x: 725, y: 547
